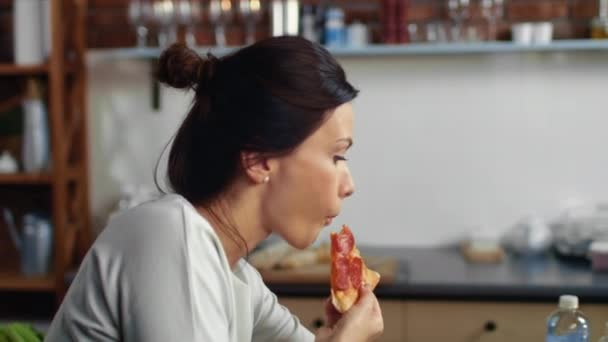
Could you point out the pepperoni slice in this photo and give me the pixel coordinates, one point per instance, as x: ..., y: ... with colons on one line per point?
x: 340, y: 273
x: 355, y: 272
x: 343, y: 242
x: 346, y: 270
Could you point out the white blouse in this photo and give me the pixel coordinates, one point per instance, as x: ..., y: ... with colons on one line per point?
x: 158, y: 272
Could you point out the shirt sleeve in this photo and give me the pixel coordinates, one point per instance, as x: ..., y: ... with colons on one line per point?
x: 139, y: 283
x: 86, y: 313
x: 273, y: 321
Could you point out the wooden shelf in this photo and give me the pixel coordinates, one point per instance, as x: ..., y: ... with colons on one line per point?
x: 66, y: 185
x: 13, y: 280
x: 12, y: 69
x: 25, y: 178
x: 377, y: 50
x: 34, y: 178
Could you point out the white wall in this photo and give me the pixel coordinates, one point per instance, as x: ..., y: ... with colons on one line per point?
x: 442, y: 144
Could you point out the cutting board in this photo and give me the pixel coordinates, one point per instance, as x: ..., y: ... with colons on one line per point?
x: 319, y: 273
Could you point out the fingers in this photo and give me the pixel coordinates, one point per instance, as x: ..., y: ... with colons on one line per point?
x: 333, y: 316
x: 323, y: 334
x: 363, y: 321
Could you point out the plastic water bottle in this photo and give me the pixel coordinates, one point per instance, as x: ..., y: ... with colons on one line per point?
x: 335, y: 32
x: 567, y: 323
x: 605, y: 337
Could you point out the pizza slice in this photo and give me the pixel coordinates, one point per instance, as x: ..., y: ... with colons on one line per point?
x: 348, y: 271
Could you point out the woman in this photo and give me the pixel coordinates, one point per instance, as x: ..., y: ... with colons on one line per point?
x: 261, y: 151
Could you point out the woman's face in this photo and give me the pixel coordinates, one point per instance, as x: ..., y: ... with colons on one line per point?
x: 307, y: 186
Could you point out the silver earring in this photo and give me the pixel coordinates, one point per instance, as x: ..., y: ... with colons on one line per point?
x: 266, y: 179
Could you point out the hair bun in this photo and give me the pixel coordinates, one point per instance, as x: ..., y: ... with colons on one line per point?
x: 179, y: 67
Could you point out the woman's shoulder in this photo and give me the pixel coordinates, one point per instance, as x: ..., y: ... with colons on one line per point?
x: 167, y: 211
x: 168, y: 228
x: 168, y: 220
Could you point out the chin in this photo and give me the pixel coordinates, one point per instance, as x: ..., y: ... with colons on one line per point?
x: 302, y: 236
x: 305, y: 241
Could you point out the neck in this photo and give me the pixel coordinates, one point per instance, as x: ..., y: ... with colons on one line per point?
x: 236, y: 220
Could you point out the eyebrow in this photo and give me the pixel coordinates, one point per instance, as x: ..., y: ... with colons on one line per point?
x: 349, y: 141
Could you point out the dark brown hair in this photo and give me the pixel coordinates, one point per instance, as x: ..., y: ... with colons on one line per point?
x: 267, y: 97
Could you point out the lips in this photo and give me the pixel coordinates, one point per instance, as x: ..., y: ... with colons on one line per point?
x: 329, y: 219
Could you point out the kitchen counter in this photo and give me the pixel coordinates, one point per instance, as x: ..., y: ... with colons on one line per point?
x: 442, y: 273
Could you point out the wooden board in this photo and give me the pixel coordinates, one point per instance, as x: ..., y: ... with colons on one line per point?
x: 319, y: 273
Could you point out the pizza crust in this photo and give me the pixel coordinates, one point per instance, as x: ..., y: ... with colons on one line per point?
x: 344, y: 300
x: 371, y: 278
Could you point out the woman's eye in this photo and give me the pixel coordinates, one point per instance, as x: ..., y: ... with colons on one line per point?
x: 339, y: 158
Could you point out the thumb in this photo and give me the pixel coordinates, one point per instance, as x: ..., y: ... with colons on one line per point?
x: 365, y: 292
x: 365, y: 300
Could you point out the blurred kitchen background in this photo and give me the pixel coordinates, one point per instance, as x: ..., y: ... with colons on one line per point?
x: 478, y: 158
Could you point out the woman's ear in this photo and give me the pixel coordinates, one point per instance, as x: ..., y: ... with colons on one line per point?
x: 256, y: 167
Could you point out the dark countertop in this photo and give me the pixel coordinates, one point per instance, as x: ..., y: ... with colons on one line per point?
x: 442, y: 273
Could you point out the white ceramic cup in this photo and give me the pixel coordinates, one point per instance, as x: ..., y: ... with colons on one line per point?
x: 358, y: 34
x: 543, y: 33
x: 522, y: 33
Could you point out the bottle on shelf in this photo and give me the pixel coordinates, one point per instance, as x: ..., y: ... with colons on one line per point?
x: 604, y: 338
x: 567, y: 323
x: 309, y: 23
x: 390, y: 34
x: 335, y: 30
x: 599, y: 24
x: 36, y: 147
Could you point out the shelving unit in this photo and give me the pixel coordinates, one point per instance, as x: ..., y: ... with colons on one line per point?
x: 65, y: 187
x: 11, y: 69
x: 26, y: 178
x: 386, y: 50
x: 13, y: 280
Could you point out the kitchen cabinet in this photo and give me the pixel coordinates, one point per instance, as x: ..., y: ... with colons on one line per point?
x: 456, y: 321
x: 311, y: 313
x: 465, y: 321
x: 438, y: 296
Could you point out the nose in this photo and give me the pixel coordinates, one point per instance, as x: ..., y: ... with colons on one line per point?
x: 347, y: 187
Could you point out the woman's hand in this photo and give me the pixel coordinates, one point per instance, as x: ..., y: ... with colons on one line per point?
x: 363, y: 322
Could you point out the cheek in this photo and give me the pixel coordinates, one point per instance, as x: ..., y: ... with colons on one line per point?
x: 323, y: 192
x: 306, y: 191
